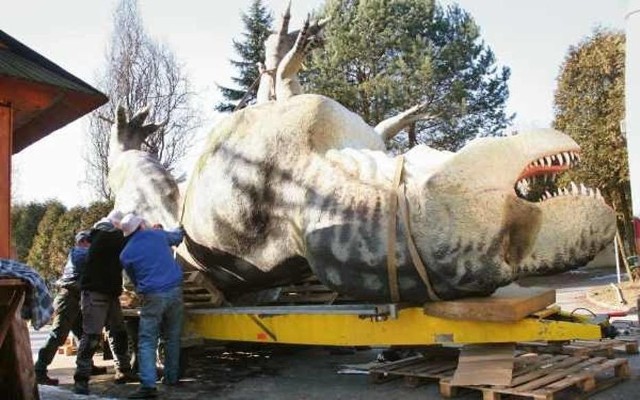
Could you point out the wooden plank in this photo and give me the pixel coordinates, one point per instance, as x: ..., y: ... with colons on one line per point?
x: 542, y: 361
x: 545, y: 370
x: 17, y: 377
x: 486, y: 364
x: 217, y: 297
x: 15, y: 296
x: 6, y: 149
x: 509, y: 304
x: 12, y: 282
x: 587, y: 376
x: 549, y: 378
x: 199, y: 297
x: 605, y: 347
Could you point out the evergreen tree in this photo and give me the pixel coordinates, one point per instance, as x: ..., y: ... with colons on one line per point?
x: 589, y: 105
x: 24, y: 226
x: 257, y: 24
x: 94, y: 212
x: 39, y: 253
x: 384, y: 56
x: 63, y: 237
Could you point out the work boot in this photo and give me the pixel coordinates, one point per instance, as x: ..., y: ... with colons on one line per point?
x: 81, y: 387
x: 43, y: 379
x: 125, y: 376
x: 95, y: 370
x: 144, y: 392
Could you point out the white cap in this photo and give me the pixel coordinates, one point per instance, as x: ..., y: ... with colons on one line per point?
x: 130, y: 223
x: 115, y: 217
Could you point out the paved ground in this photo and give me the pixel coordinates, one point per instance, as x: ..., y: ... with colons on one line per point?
x: 283, y: 373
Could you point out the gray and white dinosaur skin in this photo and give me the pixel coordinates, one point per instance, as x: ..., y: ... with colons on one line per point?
x: 139, y: 182
x: 299, y: 186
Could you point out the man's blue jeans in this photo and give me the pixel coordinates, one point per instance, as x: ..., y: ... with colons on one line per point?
x: 160, y: 312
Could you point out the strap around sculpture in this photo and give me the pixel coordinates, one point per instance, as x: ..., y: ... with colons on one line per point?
x: 397, y: 196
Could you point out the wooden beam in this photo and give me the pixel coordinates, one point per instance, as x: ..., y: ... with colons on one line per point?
x: 17, y: 376
x: 508, y: 304
x: 6, y: 149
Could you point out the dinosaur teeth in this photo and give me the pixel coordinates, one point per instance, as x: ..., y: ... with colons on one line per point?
x: 568, y: 158
x: 574, y: 189
x: 584, y: 190
x: 523, y: 186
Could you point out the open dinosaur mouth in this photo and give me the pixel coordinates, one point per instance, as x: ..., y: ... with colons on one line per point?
x: 537, y: 182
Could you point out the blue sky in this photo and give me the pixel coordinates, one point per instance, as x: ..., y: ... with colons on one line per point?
x: 530, y: 37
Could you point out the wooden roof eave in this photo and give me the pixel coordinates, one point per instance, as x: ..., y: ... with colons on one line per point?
x: 40, y: 108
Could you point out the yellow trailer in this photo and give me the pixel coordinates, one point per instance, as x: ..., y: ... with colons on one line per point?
x: 379, y: 325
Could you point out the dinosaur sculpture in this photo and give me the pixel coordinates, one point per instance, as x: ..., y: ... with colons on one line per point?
x: 272, y: 200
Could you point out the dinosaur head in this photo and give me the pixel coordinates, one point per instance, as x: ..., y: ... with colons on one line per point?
x: 129, y: 134
x: 481, y: 224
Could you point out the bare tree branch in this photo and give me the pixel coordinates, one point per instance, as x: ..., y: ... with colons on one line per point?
x: 140, y: 71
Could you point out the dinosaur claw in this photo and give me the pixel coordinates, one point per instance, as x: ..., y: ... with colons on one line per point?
x: 303, y: 38
x: 286, y: 17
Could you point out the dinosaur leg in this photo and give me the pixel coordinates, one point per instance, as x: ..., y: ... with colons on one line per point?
x: 391, y: 126
x: 287, y: 84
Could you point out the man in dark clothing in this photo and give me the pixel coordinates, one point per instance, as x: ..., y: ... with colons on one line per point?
x: 101, y: 285
x: 67, y: 305
x: 149, y: 262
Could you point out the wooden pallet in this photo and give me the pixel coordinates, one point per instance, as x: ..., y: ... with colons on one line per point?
x: 198, y: 291
x: 437, y: 363
x: 542, y: 377
x: 605, y: 347
x: 304, y: 292
x: 307, y: 291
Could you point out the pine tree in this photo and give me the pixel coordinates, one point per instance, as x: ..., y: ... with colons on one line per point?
x: 384, y: 56
x: 257, y: 24
x: 24, y: 226
x: 63, y: 237
x: 40, y: 250
x: 94, y: 212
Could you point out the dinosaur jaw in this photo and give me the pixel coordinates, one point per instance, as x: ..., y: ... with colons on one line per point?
x: 575, y: 222
x: 487, y: 233
x: 574, y: 228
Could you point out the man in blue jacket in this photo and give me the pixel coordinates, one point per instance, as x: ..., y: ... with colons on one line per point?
x: 148, y: 260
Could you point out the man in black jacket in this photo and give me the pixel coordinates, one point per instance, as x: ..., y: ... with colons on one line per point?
x: 101, y: 285
x: 67, y: 305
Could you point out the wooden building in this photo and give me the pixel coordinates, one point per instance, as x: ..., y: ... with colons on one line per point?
x: 36, y: 98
